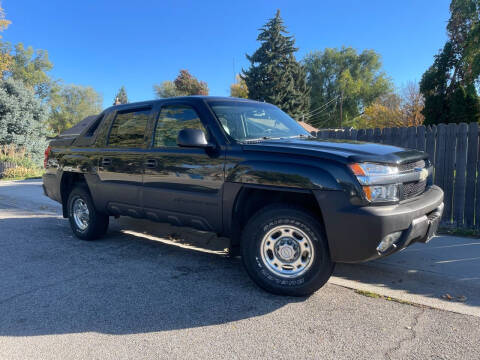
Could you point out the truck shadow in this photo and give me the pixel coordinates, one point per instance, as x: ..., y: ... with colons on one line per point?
x: 126, y: 283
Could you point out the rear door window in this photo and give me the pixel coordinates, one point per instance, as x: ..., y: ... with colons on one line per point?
x: 128, y: 128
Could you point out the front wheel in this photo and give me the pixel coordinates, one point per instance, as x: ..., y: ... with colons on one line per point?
x: 86, y: 222
x: 285, y: 252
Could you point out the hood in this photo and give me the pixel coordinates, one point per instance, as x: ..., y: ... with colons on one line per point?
x: 340, y: 150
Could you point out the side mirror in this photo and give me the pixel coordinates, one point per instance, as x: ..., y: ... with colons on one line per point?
x: 193, y: 138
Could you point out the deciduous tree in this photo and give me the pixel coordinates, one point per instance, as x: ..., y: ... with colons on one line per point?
x: 343, y: 84
x: 5, y: 57
x: 29, y: 66
x: 184, y: 84
x: 188, y: 84
x: 274, y: 75
x: 71, y: 104
x: 239, y: 89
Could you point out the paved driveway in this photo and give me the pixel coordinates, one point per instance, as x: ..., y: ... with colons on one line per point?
x: 150, y: 291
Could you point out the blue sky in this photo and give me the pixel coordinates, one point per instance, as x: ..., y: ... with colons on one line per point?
x: 106, y: 44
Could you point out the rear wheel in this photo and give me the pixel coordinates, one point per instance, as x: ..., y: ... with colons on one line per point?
x: 285, y: 252
x: 86, y: 222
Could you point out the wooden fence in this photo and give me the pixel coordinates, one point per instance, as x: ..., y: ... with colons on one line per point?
x: 453, y: 149
x: 5, y: 165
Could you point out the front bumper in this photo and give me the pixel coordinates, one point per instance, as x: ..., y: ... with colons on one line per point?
x: 354, y: 233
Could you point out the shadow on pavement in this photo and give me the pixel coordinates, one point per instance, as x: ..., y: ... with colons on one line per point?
x: 52, y: 283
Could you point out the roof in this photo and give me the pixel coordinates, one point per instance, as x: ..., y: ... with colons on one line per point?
x: 190, y: 97
x: 307, y: 127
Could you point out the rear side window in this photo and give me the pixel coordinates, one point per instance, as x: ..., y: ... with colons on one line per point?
x: 128, y: 128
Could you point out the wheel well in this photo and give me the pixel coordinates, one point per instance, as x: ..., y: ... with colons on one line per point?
x: 69, y: 180
x: 250, y: 200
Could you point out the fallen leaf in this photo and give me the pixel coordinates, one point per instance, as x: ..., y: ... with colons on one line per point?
x: 447, y: 297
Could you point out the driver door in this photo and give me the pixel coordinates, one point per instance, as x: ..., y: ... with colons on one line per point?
x: 182, y: 185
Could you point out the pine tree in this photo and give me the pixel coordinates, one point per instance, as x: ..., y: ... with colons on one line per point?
x: 121, y: 97
x: 448, y: 86
x: 274, y: 75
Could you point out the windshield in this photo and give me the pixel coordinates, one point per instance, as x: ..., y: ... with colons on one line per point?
x: 244, y: 121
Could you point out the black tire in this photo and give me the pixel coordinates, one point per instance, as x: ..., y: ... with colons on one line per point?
x: 264, y: 222
x: 96, y: 224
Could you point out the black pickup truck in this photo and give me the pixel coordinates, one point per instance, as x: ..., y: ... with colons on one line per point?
x: 292, y: 205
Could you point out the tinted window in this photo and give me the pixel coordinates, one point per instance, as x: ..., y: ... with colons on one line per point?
x: 171, y: 120
x: 128, y: 128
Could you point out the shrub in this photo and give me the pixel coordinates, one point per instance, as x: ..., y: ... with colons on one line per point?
x: 18, y: 156
x: 22, y: 172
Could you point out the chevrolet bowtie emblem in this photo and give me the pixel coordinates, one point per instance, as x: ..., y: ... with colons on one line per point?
x: 423, y: 173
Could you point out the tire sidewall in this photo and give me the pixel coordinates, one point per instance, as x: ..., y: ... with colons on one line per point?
x: 80, y: 193
x: 305, y: 283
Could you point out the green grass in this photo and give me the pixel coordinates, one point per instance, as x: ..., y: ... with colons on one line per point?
x: 378, y: 296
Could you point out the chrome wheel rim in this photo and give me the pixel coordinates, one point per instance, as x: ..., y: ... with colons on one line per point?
x: 80, y: 213
x: 287, y: 251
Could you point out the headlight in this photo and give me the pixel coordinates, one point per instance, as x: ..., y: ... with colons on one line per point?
x: 373, y: 176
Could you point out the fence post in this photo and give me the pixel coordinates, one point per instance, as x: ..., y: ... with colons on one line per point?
x: 377, y: 135
x: 460, y: 172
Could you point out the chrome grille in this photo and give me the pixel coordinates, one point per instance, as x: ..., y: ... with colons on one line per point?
x: 412, y: 189
x: 411, y: 165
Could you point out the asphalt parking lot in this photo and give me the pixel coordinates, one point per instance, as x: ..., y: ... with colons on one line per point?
x: 155, y: 291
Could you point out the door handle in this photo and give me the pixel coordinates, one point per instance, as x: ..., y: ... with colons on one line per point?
x: 106, y: 162
x: 151, y: 163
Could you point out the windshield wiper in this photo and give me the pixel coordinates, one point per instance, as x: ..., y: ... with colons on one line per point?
x: 259, y: 139
x: 300, y: 136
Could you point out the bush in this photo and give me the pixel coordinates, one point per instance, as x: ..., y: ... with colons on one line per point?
x: 19, y: 165
x: 17, y: 156
x: 21, y: 172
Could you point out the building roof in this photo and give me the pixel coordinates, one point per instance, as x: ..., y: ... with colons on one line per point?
x: 307, y: 127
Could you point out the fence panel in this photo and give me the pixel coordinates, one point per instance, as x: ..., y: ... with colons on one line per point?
x: 439, y: 178
x: 460, y: 175
x: 450, y: 147
x: 420, y: 138
x: 369, y: 135
x: 387, y: 136
x: 377, y: 135
x: 411, y: 137
x: 472, y: 158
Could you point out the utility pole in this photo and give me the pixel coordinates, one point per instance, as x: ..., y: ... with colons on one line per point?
x: 234, y: 75
x: 341, y: 108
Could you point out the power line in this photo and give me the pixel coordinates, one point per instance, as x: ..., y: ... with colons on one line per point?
x: 320, y: 112
x: 311, y: 113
